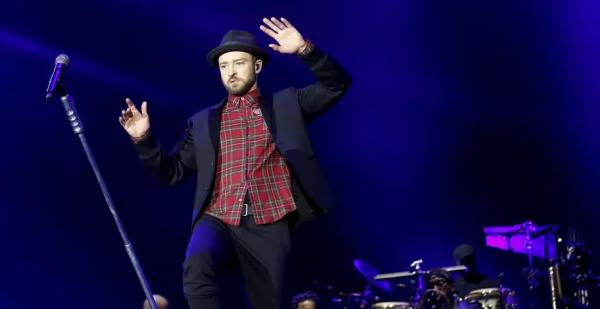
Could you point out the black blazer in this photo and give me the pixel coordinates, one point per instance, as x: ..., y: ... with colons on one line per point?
x: 286, y: 113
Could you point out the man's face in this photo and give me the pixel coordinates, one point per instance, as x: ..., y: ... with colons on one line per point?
x: 238, y: 72
x: 441, y: 285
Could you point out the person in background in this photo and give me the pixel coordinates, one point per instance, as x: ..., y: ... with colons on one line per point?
x: 471, y: 279
x: 440, y: 292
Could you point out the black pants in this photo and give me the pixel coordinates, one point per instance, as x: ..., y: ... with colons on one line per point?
x: 261, y: 251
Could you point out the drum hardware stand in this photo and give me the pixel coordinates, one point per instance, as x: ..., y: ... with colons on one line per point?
x: 532, y: 276
x: 500, y: 280
x: 416, y: 269
x: 77, y: 125
x: 579, y: 278
x: 367, y: 295
x: 556, y: 293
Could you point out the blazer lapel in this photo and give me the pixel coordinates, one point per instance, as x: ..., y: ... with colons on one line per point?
x: 214, y: 117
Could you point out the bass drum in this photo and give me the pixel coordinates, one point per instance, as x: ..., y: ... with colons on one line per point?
x: 493, y: 298
x: 391, y: 305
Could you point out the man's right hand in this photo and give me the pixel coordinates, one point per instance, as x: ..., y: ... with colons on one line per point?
x: 135, y: 123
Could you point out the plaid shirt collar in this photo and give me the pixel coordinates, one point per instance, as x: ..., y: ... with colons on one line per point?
x: 250, y: 99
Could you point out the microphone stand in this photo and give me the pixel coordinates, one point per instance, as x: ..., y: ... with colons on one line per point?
x: 76, y: 124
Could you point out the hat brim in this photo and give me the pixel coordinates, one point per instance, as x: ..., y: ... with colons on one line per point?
x: 213, y: 55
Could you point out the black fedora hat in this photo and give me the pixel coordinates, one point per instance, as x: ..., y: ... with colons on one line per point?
x: 237, y: 40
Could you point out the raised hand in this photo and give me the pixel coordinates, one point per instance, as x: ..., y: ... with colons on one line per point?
x: 281, y: 30
x: 135, y: 123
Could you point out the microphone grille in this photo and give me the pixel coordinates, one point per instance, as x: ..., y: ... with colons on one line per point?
x: 62, y: 59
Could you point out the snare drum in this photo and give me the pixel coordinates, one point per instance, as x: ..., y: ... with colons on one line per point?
x: 391, y: 305
x: 492, y: 298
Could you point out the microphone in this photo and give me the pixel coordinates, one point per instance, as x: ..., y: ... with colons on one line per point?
x: 60, y: 65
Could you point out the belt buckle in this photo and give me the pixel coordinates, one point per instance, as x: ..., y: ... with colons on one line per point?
x: 246, y: 210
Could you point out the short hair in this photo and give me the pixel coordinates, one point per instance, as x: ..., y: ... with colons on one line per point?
x: 308, y: 295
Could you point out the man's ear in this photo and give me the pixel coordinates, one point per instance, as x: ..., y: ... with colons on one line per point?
x: 258, y: 66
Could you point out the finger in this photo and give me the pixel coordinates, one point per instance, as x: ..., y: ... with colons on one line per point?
x: 131, y: 105
x: 271, y: 25
x: 126, y: 115
x: 268, y: 31
x: 275, y: 47
x: 129, y: 102
x: 277, y: 23
x: 122, y: 121
x: 145, y: 108
x: 287, y: 22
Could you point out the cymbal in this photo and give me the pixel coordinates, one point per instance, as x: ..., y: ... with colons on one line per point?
x: 406, y: 274
x: 524, y: 238
x: 526, y: 228
x: 369, y: 272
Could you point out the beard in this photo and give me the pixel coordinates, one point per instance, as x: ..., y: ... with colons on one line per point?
x: 241, y: 86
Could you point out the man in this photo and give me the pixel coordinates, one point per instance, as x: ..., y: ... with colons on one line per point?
x: 257, y: 174
x: 471, y: 279
x: 440, y: 293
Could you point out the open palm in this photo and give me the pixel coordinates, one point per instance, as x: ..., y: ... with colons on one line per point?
x: 289, y: 40
x: 136, y: 123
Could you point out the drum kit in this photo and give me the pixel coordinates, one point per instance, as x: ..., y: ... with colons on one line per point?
x: 422, y: 293
x: 564, y: 262
x: 567, y: 272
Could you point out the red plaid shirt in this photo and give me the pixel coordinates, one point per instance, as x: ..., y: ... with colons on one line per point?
x: 248, y: 162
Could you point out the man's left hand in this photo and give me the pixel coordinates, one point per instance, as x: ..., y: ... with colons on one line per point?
x: 281, y: 30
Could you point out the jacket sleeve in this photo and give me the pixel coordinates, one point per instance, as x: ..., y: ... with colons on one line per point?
x: 169, y: 168
x: 332, y: 82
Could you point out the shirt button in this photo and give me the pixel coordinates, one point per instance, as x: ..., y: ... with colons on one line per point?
x: 239, y: 200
